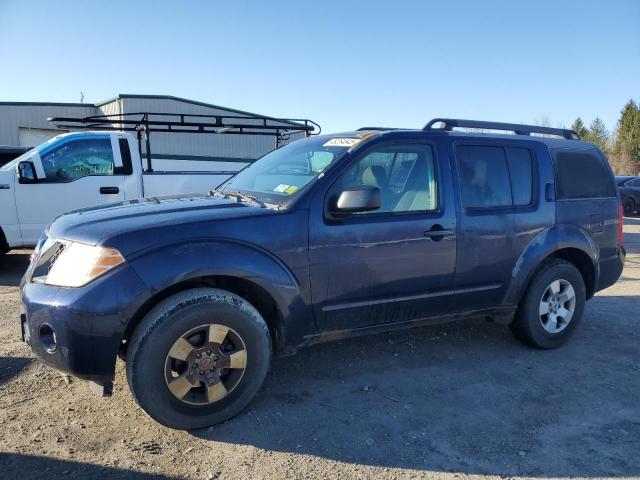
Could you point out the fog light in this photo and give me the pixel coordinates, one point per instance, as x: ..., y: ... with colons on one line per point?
x: 48, y: 337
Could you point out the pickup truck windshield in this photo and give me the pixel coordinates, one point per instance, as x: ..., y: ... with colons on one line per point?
x: 279, y: 175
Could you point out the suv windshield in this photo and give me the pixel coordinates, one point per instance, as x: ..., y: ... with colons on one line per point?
x: 278, y: 176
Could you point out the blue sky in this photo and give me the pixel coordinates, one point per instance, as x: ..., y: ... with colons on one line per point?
x: 343, y: 64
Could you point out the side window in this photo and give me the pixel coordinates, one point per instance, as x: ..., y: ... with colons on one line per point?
x: 404, y: 173
x: 634, y: 183
x: 484, y: 176
x: 125, y: 154
x: 521, y: 174
x: 78, y: 158
x: 495, y: 176
x: 582, y: 174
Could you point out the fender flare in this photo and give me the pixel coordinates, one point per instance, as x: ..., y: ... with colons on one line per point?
x: 545, y: 244
x: 230, y: 258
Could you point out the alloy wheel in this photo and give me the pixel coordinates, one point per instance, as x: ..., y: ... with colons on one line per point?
x: 205, y: 364
x: 557, y: 305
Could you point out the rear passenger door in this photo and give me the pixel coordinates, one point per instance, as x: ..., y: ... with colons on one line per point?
x: 501, y: 189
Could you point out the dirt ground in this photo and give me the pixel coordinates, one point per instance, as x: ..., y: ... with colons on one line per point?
x: 453, y: 401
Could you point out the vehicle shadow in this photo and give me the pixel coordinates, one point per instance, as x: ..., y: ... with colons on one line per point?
x: 28, y: 467
x: 11, y: 367
x: 462, y: 397
x: 12, y: 267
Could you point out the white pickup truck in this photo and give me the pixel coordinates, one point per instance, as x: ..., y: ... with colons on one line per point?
x: 77, y: 170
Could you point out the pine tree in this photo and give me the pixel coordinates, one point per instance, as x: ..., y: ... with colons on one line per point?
x: 579, y: 126
x: 598, y: 133
x: 628, y: 135
x: 627, y: 124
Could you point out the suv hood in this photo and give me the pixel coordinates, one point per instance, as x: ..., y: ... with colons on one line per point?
x: 106, y: 225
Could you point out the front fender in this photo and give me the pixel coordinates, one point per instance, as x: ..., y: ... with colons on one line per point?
x: 543, y: 245
x: 169, y: 265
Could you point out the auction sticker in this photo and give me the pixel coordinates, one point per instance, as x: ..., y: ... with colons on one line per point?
x: 342, y: 142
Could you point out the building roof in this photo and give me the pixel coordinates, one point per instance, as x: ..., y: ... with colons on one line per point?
x: 141, y: 96
x: 48, y: 104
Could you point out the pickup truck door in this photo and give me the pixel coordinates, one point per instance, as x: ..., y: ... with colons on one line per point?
x: 75, y: 171
x: 394, y: 264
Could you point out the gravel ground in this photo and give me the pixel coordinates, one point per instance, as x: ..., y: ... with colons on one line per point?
x: 452, y: 401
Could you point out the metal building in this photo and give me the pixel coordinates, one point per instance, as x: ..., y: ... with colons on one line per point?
x: 25, y: 124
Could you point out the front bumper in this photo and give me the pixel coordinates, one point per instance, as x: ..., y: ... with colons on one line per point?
x: 88, y: 322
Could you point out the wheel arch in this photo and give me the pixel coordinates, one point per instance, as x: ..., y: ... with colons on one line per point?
x: 246, y: 270
x: 566, y: 242
x: 250, y: 291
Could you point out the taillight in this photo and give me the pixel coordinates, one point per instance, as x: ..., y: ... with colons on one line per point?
x: 620, y: 222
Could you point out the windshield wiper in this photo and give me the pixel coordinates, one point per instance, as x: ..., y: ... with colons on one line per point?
x: 239, y: 196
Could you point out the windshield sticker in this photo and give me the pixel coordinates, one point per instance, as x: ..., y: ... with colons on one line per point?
x: 281, y: 188
x: 291, y: 190
x: 341, y: 142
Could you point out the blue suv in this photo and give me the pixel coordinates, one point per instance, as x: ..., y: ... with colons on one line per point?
x: 328, y: 237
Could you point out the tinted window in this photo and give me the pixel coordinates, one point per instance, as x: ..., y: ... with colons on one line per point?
x: 634, y: 183
x: 79, y: 158
x: 582, y: 174
x: 521, y: 174
x: 484, y: 176
x: 404, y: 173
x: 622, y: 181
x: 125, y: 153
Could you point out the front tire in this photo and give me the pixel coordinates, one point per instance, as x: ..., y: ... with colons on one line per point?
x: 552, y: 306
x: 198, y: 358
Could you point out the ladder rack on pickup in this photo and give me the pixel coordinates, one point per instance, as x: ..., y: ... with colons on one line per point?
x: 146, y: 122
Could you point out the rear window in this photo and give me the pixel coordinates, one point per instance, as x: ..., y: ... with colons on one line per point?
x: 582, y: 174
x: 494, y: 176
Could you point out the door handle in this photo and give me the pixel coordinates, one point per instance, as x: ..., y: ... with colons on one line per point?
x: 109, y: 190
x: 549, y: 193
x: 437, y: 233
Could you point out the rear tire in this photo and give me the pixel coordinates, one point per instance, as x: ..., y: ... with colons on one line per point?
x: 629, y: 207
x: 198, y: 358
x: 552, y: 306
x: 4, y: 247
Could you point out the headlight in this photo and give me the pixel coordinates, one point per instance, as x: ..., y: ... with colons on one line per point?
x: 78, y: 264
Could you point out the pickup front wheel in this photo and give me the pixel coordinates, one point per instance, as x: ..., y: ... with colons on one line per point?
x: 198, y: 358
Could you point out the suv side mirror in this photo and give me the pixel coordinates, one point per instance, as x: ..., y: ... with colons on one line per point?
x: 27, y: 172
x: 358, y: 199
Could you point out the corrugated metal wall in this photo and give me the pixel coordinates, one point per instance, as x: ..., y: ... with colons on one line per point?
x: 247, y: 147
x: 15, y: 116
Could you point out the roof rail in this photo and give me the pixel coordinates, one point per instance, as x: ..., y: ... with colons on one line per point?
x: 450, y: 123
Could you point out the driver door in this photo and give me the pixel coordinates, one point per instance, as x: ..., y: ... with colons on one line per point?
x: 73, y: 172
x: 390, y: 265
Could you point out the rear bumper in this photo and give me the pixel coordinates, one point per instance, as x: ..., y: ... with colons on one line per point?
x: 611, y: 269
x: 88, y: 323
